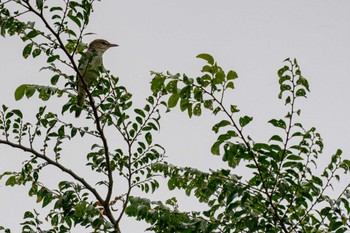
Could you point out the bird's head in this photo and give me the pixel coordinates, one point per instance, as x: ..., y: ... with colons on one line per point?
x: 100, y: 45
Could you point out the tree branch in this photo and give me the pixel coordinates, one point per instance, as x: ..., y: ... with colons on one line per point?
x: 56, y: 164
x: 105, y: 202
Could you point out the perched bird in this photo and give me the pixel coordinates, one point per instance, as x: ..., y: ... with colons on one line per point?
x: 89, y: 65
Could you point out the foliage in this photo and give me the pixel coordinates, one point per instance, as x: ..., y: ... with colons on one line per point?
x: 76, y: 201
x: 282, y: 192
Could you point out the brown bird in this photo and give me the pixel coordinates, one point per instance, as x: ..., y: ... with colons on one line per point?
x: 89, y: 65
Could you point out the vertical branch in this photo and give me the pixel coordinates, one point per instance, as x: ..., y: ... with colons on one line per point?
x: 246, y: 142
x: 107, y: 199
x: 130, y: 142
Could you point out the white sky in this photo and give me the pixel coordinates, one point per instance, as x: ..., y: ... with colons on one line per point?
x: 250, y: 37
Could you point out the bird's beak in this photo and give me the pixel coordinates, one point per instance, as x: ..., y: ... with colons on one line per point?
x: 113, y: 45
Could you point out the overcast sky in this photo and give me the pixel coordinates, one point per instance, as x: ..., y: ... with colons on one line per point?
x: 250, y: 37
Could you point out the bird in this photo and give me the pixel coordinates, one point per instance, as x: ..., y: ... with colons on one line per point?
x: 88, y: 67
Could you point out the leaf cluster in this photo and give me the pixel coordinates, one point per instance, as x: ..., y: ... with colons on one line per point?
x: 281, y: 191
x: 283, y: 194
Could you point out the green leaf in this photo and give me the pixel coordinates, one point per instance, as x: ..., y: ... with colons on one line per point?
x: 184, y: 104
x: 234, y: 109
x: 28, y: 214
x: 71, y: 32
x: 325, y: 211
x: 139, y: 120
x: 208, y: 69
x: 213, y: 184
x: 75, y: 20
x: 289, y: 164
x: 219, y: 125
x: 198, y: 94
x: 285, y: 87
x: 157, y: 83
x: 54, y: 79
x: 148, y: 138
x: 288, y: 100
x: 303, y: 81
x: 47, y: 199
x: 4, y: 108
x: 206, y: 57
x: 27, y: 50
x: 173, y: 99
x: 18, y: 113
x: 61, y: 131
x: 276, y: 138
x: 278, y: 123
x: 95, y: 224
x: 215, y: 149
x: 188, y: 81
x: 301, y: 92
x: 11, y: 181
x: 197, y: 110
x: 131, y: 210
x: 231, y: 75
x: 342, y: 230
x: 282, y: 70
x: 31, y: 35
x: 230, y: 85
x: 185, y: 92
x: 171, y: 184
x: 226, y: 136
x: 80, y: 209
x: 73, y: 132
x: 54, y: 220
x: 216, y: 110
x: 52, y: 58
x: 30, y: 91
x: 317, y: 180
x: 140, y: 112
x: 219, y: 78
x: 243, y: 121
x: 189, y: 110
x: 171, y: 87
x: 285, y: 78
x: 19, y: 92
x: 56, y: 8
x: 294, y: 157
x: 36, y: 52
x: 307, y: 195
x: 208, y: 104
